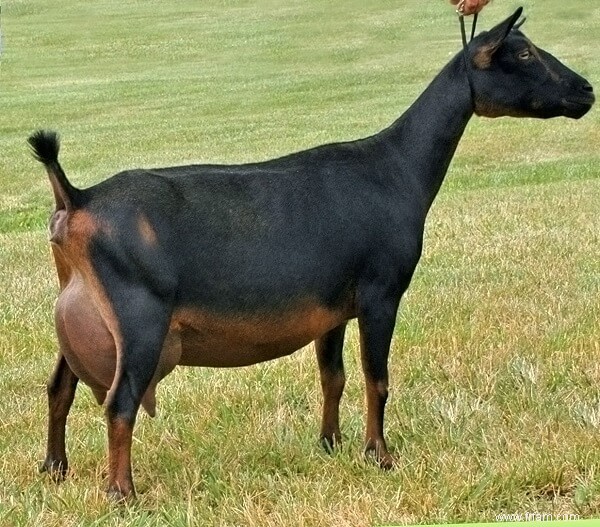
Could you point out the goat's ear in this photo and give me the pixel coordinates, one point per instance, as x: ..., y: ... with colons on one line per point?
x: 491, y: 41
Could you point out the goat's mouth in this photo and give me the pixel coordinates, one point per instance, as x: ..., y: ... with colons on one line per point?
x: 577, y: 107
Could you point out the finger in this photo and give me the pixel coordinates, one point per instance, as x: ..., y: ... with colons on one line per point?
x: 469, y: 7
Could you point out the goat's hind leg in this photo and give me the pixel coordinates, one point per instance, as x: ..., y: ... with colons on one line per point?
x: 143, y: 321
x: 61, y: 392
x: 331, y: 368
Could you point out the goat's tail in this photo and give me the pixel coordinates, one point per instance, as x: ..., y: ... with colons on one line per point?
x: 45, y: 145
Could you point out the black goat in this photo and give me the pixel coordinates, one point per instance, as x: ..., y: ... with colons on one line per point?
x: 222, y: 266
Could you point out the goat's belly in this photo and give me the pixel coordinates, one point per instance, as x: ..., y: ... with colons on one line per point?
x: 222, y: 341
x: 199, y: 349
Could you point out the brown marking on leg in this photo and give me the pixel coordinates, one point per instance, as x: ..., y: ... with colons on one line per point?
x: 61, y: 392
x: 146, y: 231
x: 329, y: 350
x: 333, y: 387
x: 210, y: 339
x: 120, y: 482
x: 376, y: 329
x: 377, y: 393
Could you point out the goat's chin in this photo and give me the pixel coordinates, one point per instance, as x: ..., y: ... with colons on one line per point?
x: 571, y: 108
x: 576, y: 109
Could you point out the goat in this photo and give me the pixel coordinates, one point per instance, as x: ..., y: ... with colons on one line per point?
x: 231, y: 265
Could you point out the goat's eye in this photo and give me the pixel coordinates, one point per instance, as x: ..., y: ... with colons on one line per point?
x: 524, y: 55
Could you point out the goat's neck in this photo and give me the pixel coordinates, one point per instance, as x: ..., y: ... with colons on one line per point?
x: 425, y: 137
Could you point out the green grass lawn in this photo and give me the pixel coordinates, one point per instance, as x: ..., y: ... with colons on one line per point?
x: 495, y: 370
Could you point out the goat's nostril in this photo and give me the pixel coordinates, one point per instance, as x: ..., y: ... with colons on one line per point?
x: 587, y: 87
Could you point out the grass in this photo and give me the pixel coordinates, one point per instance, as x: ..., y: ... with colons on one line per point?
x: 495, y: 401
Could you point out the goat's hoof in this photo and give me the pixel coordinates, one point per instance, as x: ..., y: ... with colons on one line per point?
x: 384, y: 460
x: 57, y: 469
x: 330, y: 444
x: 387, y: 462
x: 118, y: 496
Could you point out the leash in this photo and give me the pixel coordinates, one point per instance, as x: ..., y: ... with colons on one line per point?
x: 463, y: 34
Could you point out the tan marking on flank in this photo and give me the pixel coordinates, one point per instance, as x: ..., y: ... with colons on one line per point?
x: 146, y: 231
x: 82, y: 223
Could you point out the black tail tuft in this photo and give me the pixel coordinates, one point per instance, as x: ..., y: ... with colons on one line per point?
x: 45, y: 145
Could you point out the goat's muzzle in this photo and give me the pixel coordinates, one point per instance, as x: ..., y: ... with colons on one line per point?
x: 580, y: 102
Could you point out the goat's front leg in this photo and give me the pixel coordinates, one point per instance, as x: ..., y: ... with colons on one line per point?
x: 331, y: 368
x: 376, y: 320
x: 61, y: 392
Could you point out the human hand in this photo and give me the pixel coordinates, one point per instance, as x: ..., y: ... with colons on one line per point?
x: 469, y: 7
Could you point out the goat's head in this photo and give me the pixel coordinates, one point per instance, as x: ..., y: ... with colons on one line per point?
x: 509, y: 75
